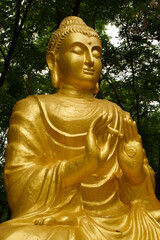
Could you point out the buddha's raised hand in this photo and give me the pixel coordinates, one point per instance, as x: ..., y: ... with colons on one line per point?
x: 99, y: 138
x: 131, y: 153
x: 97, y: 148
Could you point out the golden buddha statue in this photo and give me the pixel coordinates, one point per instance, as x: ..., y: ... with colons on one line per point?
x: 75, y: 165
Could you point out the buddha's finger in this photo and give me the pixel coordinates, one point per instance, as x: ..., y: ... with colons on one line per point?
x: 91, y: 144
x: 109, y: 119
x: 95, y: 122
x: 137, y: 136
x: 125, y: 130
x: 140, y: 139
x: 101, y: 124
x: 106, y: 147
x: 103, y: 127
x: 135, y: 131
x: 112, y: 131
x: 101, y: 119
x: 104, y: 120
x: 129, y: 135
x: 121, y: 146
x: 101, y: 130
x: 110, y: 139
x: 144, y: 154
x: 104, y: 137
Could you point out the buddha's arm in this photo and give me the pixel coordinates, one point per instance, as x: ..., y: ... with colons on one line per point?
x: 97, y: 149
x: 77, y: 169
x: 32, y: 174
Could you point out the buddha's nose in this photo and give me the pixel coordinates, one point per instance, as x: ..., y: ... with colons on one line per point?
x: 89, y: 59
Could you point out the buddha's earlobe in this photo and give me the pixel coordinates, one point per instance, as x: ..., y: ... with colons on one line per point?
x: 96, y: 88
x: 54, y: 79
x: 52, y: 65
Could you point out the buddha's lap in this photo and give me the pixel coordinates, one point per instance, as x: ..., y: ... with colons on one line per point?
x: 123, y: 227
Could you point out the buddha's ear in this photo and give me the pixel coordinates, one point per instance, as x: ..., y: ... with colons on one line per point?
x: 51, y: 60
x: 96, y: 88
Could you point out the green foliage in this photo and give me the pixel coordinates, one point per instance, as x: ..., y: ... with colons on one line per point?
x: 132, y: 72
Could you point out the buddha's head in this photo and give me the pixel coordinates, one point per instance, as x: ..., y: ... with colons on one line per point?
x: 74, y: 55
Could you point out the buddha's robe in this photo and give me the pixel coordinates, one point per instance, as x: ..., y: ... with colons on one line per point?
x: 46, y: 132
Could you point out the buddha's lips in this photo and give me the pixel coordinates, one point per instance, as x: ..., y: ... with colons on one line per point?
x: 88, y: 71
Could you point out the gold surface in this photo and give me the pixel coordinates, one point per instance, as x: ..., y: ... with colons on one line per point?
x: 75, y: 165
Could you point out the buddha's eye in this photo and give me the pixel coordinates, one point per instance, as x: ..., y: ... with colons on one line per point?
x: 96, y: 53
x: 77, y: 50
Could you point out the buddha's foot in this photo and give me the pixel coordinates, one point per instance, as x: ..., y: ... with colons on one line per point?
x: 51, y: 221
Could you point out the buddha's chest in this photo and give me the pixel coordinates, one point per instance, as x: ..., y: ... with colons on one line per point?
x: 67, y: 124
x: 73, y: 117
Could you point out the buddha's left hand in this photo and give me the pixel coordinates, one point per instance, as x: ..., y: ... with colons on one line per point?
x: 131, y: 153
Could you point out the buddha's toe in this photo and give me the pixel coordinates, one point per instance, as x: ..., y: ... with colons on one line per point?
x: 39, y: 221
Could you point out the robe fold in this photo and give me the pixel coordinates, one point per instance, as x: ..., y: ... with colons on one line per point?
x: 44, y: 135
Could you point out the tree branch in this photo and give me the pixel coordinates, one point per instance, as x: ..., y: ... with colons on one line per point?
x: 2, y: 53
x: 94, y: 16
x: 25, y: 14
x: 115, y: 91
x: 58, y: 13
x: 133, y: 71
x: 17, y: 29
x: 16, y: 25
x: 133, y: 77
x: 76, y: 7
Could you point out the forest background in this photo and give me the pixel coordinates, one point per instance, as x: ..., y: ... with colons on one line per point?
x: 131, y: 70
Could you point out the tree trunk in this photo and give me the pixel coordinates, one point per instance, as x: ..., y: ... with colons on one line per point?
x: 17, y: 30
x: 76, y: 7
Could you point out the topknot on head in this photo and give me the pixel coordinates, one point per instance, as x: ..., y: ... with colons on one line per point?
x: 71, y: 24
x: 72, y: 20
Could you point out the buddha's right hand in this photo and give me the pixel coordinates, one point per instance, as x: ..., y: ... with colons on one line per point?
x: 99, y: 139
x: 97, y: 148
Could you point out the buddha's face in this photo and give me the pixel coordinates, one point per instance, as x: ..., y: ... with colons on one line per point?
x: 79, y: 61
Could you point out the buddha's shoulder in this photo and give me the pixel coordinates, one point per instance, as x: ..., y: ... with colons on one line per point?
x: 113, y: 107
x: 106, y: 104
x: 33, y: 102
x: 25, y: 104
x: 32, y: 105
